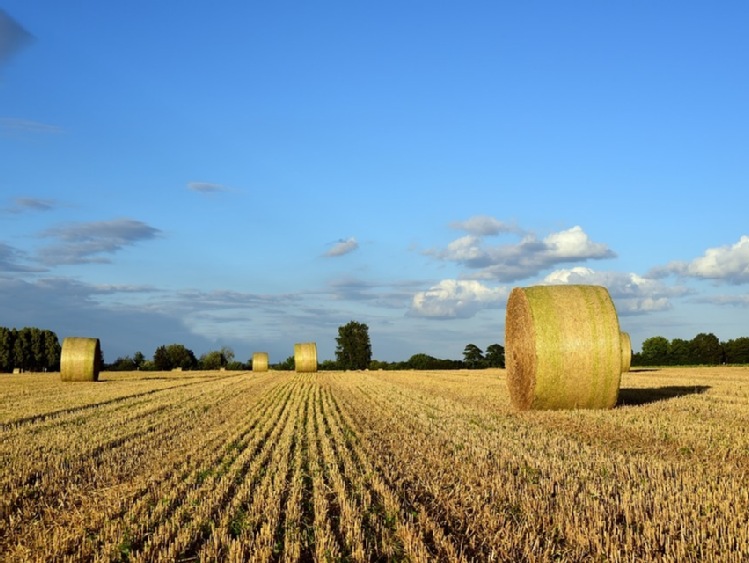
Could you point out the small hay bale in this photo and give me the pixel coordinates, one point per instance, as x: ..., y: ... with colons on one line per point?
x: 260, y: 361
x: 563, y: 348
x: 17, y: 370
x: 80, y: 359
x: 626, y: 352
x: 305, y: 357
x: 177, y: 369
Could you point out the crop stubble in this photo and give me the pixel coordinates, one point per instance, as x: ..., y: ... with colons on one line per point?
x: 371, y: 466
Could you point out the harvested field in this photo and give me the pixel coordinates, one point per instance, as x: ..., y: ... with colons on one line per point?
x: 371, y: 466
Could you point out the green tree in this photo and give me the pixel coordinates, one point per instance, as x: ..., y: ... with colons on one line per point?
x: 286, y: 365
x: 52, y: 351
x: 655, y: 351
x: 6, y: 349
x: 679, y: 352
x: 495, y: 355
x: 706, y: 349
x: 174, y: 356
x: 353, y: 350
x: 473, y: 356
x: 737, y: 350
x: 217, y: 359
x: 138, y: 359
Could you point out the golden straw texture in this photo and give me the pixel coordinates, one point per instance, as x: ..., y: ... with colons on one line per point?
x: 80, y: 359
x: 563, y: 347
x: 305, y: 357
x: 260, y: 361
x: 626, y: 352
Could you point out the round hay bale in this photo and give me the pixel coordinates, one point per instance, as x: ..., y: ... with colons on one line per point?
x: 626, y: 352
x: 260, y: 361
x: 80, y: 359
x: 305, y: 357
x: 563, y: 347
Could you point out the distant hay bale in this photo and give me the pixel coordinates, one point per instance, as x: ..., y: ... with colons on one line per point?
x: 17, y: 370
x: 626, y: 352
x: 260, y: 361
x: 177, y: 369
x: 305, y: 357
x: 80, y: 359
x: 563, y: 347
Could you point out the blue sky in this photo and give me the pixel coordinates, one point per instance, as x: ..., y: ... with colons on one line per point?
x: 254, y: 174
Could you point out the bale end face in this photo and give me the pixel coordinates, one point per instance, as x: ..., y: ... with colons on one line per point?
x: 626, y: 352
x: 260, y: 361
x: 563, y: 348
x: 305, y: 357
x: 80, y: 359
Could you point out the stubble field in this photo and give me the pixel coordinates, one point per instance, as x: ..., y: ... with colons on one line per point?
x: 370, y: 466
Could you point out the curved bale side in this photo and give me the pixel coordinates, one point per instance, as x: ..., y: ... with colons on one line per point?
x: 260, y: 361
x: 626, y: 352
x: 305, y: 357
x: 80, y: 359
x: 563, y: 348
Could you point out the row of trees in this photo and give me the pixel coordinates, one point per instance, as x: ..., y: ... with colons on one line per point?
x: 703, y: 349
x: 34, y: 349
x: 29, y: 349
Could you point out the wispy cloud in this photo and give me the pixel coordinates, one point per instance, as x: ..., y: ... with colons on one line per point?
x: 451, y: 299
x: 31, y: 204
x: 12, y: 36
x: 206, y: 187
x: 11, y: 260
x: 729, y: 264
x: 17, y: 125
x: 483, y: 225
x: 525, y: 259
x: 88, y: 243
x: 342, y: 247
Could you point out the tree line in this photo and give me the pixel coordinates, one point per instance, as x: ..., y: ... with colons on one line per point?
x: 29, y: 349
x: 703, y: 349
x: 34, y: 349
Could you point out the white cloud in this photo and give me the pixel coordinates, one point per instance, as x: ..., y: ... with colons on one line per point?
x: 527, y: 258
x: 342, y: 246
x: 455, y: 299
x: 725, y: 263
x: 631, y: 293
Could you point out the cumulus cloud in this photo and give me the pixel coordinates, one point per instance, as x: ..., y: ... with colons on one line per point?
x: 451, y: 299
x: 206, y: 187
x: 342, y: 247
x: 729, y: 264
x: 528, y: 257
x: 632, y: 294
x: 483, y: 225
x: 86, y: 243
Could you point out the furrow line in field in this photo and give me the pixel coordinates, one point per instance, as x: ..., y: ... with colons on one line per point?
x: 80, y: 458
x: 182, y: 535
x: 420, y: 537
x: 71, y: 411
x: 179, y: 429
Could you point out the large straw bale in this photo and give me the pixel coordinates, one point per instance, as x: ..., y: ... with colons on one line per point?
x: 80, y: 359
x: 626, y: 352
x: 305, y: 357
x: 563, y: 347
x: 260, y: 361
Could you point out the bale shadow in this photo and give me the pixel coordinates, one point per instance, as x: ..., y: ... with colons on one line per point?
x: 641, y: 370
x: 634, y: 397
